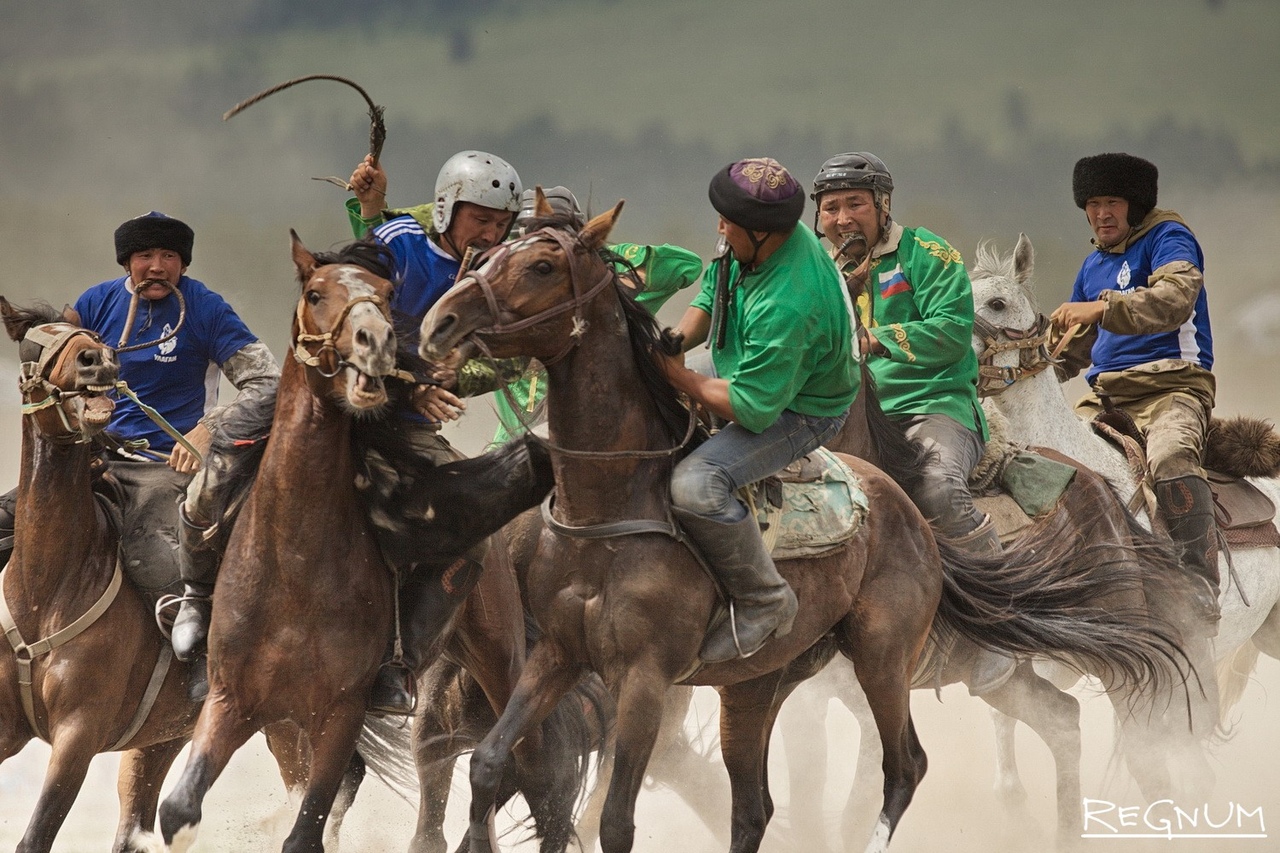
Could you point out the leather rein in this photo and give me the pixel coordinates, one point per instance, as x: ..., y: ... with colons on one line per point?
x: 1031, y: 344
x: 328, y: 340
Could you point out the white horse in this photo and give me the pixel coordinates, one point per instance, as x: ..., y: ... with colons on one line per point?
x: 1037, y: 412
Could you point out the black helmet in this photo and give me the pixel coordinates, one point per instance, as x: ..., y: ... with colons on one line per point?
x: 858, y: 170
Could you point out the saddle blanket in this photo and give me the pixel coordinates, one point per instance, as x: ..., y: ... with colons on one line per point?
x: 819, y: 507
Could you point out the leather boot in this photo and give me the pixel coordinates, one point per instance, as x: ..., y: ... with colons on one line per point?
x: 428, y: 601
x: 8, y: 510
x: 1187, y: 505
x: 761, y: 603
x: 198, y: 567
x: 991, y: 669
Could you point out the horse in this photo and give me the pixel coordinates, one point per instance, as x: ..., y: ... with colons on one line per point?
x: 1032, y: 401
x: 633, y: 607
x: 89, y: 671
x: 303, y: 609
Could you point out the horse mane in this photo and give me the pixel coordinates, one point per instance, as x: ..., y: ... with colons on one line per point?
x: 21, y: 320
x: 647, y: 336
x: 366, y: 253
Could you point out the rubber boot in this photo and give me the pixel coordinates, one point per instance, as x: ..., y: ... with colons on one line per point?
x: 428, y: 601
x: 991, y: 669
x: 1187, y: 505
x: 761, y: 604
x: 8, y: 511
x: 198, y: 567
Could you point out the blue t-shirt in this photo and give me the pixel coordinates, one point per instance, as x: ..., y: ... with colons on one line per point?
x: 424, y: 271
x: 1165, y: 243
x: 179, y: 378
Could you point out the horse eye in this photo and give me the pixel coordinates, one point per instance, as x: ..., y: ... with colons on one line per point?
x: 313, y: 297
x: 997, y: 304
x: 543, y: 267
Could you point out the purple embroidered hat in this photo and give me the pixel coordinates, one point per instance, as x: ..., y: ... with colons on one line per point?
x: 758, y: 194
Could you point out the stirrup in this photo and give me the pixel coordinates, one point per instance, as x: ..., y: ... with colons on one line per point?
x: 167, y: 607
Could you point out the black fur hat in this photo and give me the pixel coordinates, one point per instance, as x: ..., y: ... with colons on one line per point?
x: 154, y: 230
x: 1122, y: 175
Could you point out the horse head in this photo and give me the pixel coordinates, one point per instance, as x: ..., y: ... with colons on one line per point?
x: 67, y: 372
x: 342, y: 330
x: 527, y: 296
x: 1009, y: 332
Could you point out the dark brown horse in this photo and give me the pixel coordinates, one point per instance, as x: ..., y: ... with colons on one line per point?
x: 634, y: 607
x: 303, y: 607
x: 91, y: 673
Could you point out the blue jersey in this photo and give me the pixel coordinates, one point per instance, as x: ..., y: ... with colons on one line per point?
x: 1125, y: 272
x: 424, y: 271
x: 179, y: 378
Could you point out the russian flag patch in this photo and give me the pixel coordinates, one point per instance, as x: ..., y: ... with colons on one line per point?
x: 893, y: 282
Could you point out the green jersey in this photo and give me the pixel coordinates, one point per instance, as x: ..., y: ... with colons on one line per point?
x: 918, y: 303
x: 789, y: 335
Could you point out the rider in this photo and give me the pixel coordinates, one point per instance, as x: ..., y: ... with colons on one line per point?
x: 916, y: 333
x: 1151, y: 347
x: 656, y: 272
x: 476, y: 198
x: 785, y: 376
x: 179, y: 378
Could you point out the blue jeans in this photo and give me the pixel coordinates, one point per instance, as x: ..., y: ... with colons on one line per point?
x: 704, y: 482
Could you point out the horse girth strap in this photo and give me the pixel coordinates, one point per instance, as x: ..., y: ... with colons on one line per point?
x: 28, y: 652
x: 609, y: 529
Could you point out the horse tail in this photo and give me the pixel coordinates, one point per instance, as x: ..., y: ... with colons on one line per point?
x: 1234, y: 674
x: 1060, y: 597
x: 384, y: 744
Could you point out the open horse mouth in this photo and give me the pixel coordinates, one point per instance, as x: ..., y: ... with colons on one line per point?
x: 95, y: 408
x: 365, y: 391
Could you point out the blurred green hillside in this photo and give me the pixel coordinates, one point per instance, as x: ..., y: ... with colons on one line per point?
x: 109, y: 109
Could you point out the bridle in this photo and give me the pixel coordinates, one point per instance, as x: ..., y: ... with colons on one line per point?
x: 327, y: 340
x: 1032, y: 345
x: 580, y: 298
x: 34, y: 377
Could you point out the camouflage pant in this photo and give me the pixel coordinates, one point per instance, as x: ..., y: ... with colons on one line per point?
x: 1170, y: 401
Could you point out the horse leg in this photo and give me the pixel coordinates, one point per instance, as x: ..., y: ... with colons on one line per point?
x: 138, y: 782
x: 803, y: 724
x: 1009, y: 789
x: 333, y: 741
x: 546, y: 678
x: 1055, y: 717
x: 220, y: 731
x: 67, y: 768
x: 640, y: 701
x: 682, y: 766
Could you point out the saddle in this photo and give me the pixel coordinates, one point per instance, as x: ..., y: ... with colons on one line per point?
x: 1245, y: 515
x: 810, y: 508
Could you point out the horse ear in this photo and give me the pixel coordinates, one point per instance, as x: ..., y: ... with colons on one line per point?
x: 71, y: 315
x: 541, y: 207
x: 14, y: 324
x: 1024, y: 260
x: 304, y: 261
x: 597, y: 230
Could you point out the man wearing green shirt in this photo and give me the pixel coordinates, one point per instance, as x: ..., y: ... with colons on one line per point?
x: 781, y: 341
x: 915, y: 302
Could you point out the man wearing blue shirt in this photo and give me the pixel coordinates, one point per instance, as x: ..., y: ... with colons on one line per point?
x: 1151, y: 348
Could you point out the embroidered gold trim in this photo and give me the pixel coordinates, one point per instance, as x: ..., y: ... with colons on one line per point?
x: 900, y: 338
x: 941, y: 251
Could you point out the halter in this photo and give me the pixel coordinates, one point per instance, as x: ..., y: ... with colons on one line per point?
x: 579, y: 299
x: 34, y: 376
x: 1031, y: 345
x: 327, y: 340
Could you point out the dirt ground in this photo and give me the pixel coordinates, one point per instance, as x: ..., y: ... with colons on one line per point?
x: 954, y: 809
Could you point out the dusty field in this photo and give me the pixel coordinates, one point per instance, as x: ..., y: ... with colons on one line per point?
x: 954, y: 809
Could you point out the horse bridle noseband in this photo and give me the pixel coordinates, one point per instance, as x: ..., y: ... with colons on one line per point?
x: 575, y: 305
x: 1031, y: 345
x: 327, y: 340
x: 34, y: 375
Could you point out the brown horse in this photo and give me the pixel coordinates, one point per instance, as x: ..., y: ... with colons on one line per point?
x: 634, y: 606
x: 91, y: 673
x: 303, y: 608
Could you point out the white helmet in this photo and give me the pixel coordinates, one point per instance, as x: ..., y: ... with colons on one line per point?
x: 476, y: 177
